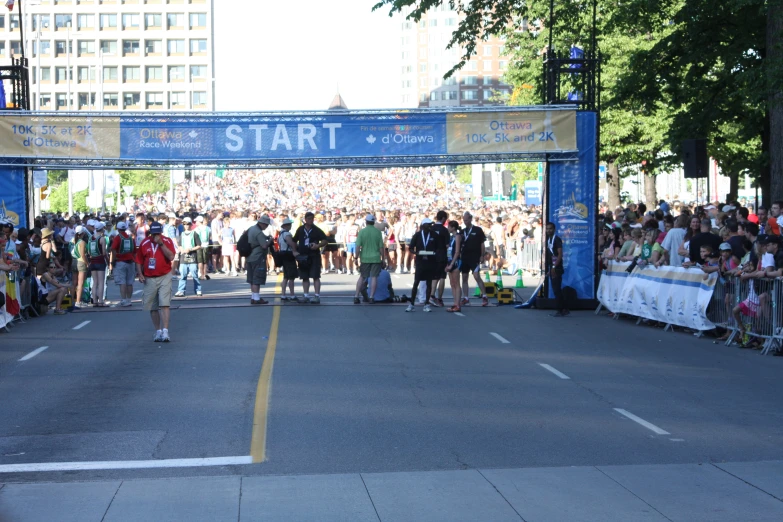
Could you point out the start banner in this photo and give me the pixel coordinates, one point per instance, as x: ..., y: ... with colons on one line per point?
x: 159, y: 137
x: 669, y: 294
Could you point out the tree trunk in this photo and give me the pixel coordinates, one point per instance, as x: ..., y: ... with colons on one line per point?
x: 733, y: 186
x: 613, y: 185
x: 774, y: 60
x: 650, y: 192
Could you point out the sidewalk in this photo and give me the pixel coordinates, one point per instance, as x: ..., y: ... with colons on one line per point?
x: 733, y: 492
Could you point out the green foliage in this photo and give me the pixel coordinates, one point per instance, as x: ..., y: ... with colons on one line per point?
x: 527, y: 171
x: 465, y: 174
x: 144, y: 181
x: 58, y: 199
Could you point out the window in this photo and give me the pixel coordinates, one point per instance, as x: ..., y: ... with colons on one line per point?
x: 423, y: 97
x: 436, y: 81
x: 131, y: 21
x: 487, y: 66
x: 487, y: 50
x: 109, y: 47
x: 108, y: 21
x: 153, y: 46
x: 45, y: 100
x: 422, y: 67
x: 14, y: 22
x: 450, y: 81
x: 470, y: 94
x: 177, y: 99
x: 2, y: 22
x: 86, y: 74
x: 46, y: 47
x: 2, y: 48
x: 131, y: 73
x: 434, y: 23
x: 199, y: 98
x: 86, y: 100
x: 486, y: 95
x: 450, y: 22
x: 198, y: 73
x: 62, y: 101
x: 198, y: 20
x: 153, y: 21
x: 131, y: 99
x: 46, y: 74
x: 16, y: 48
x: 85, y: 21
x: 449, y: 95
x: 60, y: 49
x: 422, y: 82
x: 488, y: 80
x: 86, y: 47
x: 177, y: 73
x: 110, y: 99
x: 154, y: 99
x: 502, y: 65
x: 470, y: 80
x: 175, y: 20
x: 130, y: 47
x: 198, y: 45
x: 155, y: 73
x: 110, y: 74
x: 433, y: 96
x: 472, y: 66
x: 61, y: 21
x: 44, y: 20
x: 176, y: 47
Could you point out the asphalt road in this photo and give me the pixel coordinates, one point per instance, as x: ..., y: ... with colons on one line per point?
x: 374, y: 389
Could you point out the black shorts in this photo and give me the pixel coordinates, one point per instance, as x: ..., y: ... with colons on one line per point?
x: 290, y: 270
x: 441, y: 270
x: 469, y: 265
x: 202, y: 255
x: 310, y: 269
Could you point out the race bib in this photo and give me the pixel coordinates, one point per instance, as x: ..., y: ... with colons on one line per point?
x: 307, y: 242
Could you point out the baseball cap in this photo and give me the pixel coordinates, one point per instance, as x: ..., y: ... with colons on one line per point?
x: 156, y: 228
x: 265, y: 220
x: 370, y: 218
x: 426, y: 221
x: 79, y: 230
x: 90, y: 223
x: 724, y: 246
x: 199, y: 219
x: 99, y: 226
x: 122, y: 225
x: 728, y: 208
x: 187, y: 220
x: 172, y: 215
x: 710, y: 207
x: 288, y: 221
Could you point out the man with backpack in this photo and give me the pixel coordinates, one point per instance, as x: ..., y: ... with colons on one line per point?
x: 124, y: 248
x: 190, y: 244
x: 254, y: 245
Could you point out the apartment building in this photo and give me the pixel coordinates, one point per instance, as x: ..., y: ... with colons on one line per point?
x: 115, y: 55
x: 425, y: 60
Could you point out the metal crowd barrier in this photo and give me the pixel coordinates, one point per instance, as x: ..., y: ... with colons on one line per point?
x: 529, y: 256
x: 756, y: 303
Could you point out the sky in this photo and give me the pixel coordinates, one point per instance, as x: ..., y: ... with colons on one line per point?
x: 292, y: 54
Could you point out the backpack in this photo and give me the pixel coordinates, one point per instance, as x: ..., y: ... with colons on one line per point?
x: 126, y: 244
x: 243, y: 245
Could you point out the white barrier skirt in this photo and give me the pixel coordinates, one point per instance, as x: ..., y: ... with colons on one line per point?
x: 671, y: 295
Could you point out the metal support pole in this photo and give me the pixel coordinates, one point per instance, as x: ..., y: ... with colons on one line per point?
x: 70, y: 194
x: 68, y: 64
x: 21, y: 31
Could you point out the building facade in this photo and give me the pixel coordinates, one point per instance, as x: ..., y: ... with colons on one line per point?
x: 115, y: 55
x: 425, y: 60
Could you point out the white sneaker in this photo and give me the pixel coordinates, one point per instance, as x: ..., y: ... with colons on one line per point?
x: 427, y: 308
x: 165, y: 336
x: 410, y: 308
x: 126, y: 302
x: 158, y: 336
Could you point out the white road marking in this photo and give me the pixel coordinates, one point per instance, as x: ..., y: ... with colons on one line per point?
x: 81, y: 325
x: 137, y: 292
x: 33, y: 353
x: 124, y: 464
x: 459, y: 314
x: 677, y: 440
x: 499, y: 338
x: 396, y: 276
x: 556, y: 372
x: 639, y: 420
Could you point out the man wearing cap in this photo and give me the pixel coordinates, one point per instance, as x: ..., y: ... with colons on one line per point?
x: 288, y: 255
x: 309, y: 241
x: 424, y: 244
x: 124, y: 248
x: 369, y: 247
x: 202, y: 256
x: 189, y: 245
x: 153, y: 265
x: 256, y: 261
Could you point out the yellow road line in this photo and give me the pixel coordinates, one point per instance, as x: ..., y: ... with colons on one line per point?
x: 264, y: 388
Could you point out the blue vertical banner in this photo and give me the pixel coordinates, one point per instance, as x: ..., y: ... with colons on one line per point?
x: 12, y: 200
x: 533, y: 193
x: 572, y: 193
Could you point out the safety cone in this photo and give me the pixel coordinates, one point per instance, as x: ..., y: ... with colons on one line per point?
x: 486, y: 277
x: 520, y: 282
x: 499, y: 280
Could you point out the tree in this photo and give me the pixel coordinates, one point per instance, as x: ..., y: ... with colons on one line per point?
x: 144, y: 181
